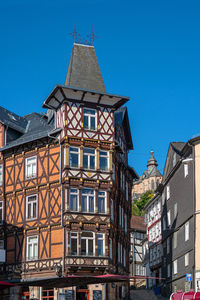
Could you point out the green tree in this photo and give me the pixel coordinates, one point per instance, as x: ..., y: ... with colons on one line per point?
x: 139, y: 204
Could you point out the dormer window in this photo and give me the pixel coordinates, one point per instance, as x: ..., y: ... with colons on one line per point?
x: 89, y: 119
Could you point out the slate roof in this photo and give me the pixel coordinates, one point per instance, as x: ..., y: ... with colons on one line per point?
x: 121, y: 116
x: 137, y: 223
x: 83, y: 70
x: 37, y: 127
x: 12, y: 120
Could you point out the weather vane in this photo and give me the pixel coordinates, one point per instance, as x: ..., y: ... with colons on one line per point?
x: 79, y: 40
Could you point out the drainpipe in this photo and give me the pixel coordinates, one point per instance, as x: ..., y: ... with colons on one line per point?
x: 61, y: 192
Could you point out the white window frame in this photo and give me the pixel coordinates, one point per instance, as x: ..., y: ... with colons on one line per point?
x: 76, y: 194
x: 87, y: 239
x: 169, y: 218
x: 104, y: 156
x: 31, y: 204
x: 175, y: 266
x: 28, y: 243
x: 168, y: 192
x: 89, y: 116
x: 175, y: 210
x: 88, y: 158
x: 187, y: 231
x: 87, y: 203
x: 186, y: 171
x: 33, y: 175
x: 1, y: 174
x: 77, y: 239
x: 102, y: 239
x: 187, y: 259
x: 105, y: 201
x: 74, y: 152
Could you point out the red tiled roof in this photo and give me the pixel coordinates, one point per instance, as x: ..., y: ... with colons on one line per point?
x: 137, y: 223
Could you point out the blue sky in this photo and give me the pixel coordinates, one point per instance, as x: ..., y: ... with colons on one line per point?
x: 147, y: 50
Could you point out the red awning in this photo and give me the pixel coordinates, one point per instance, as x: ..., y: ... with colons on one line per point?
x: 5, y: 285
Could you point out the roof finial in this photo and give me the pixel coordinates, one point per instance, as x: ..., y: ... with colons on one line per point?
x: 74, y: 34
x: 92, y: 37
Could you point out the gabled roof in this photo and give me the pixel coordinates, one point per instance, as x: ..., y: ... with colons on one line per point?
x: 12, y: 120
x: 84, y: 71
x: 121, y: 119
x: 38, y: 127
x: 174, y: 147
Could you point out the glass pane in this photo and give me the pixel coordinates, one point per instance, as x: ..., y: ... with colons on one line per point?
x: 91, y: 204
x: 92, y: 123
x: 29, y: 211
x: 35, y: 251
x: 87, y: 234
x: 73, y: 202
x: 73, y: 160
x: 85, y: 161
x: 101, y: 204
x: 34, y: 209
x: 84, y: 203
x: 92, y: 162
x: 103, y: 163
x: 85, y: 122
x: 88, y: 151
x: 73, y: 246
x: 89, y: 111
x: 29, y: 251
x: 90, y: 247
x: 99, y: 247
x: 83, y: 247
x: 34, y: 169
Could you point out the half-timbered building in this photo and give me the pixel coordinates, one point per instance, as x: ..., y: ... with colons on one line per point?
x: 65, y: 188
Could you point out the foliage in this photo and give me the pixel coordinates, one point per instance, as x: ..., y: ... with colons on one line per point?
x: 139, y: 204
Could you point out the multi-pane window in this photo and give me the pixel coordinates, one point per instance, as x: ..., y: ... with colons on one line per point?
x: 89, y: 119
x: 73, y: 199
x: 1, y: 211
x: 89, y: 158
x: 186, y: 231
x: 87, y: 243
x: 111, y: 254
x: 175, y: 268
x: 1, y: 174
x: 31, y: 167
x: 74, y: 155
x: 87, y: 200
x: 100, y: 244
x: 32, y: 247
x: 31, y: 207
x: 74, y: 243
x: 101, y: 202
x: 103, y: 160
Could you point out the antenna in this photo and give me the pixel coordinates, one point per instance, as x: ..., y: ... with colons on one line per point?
x: 79, y: 40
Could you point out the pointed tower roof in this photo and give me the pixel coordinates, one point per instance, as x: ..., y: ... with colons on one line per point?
x: 152, y: 162
x: 83, y: 70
